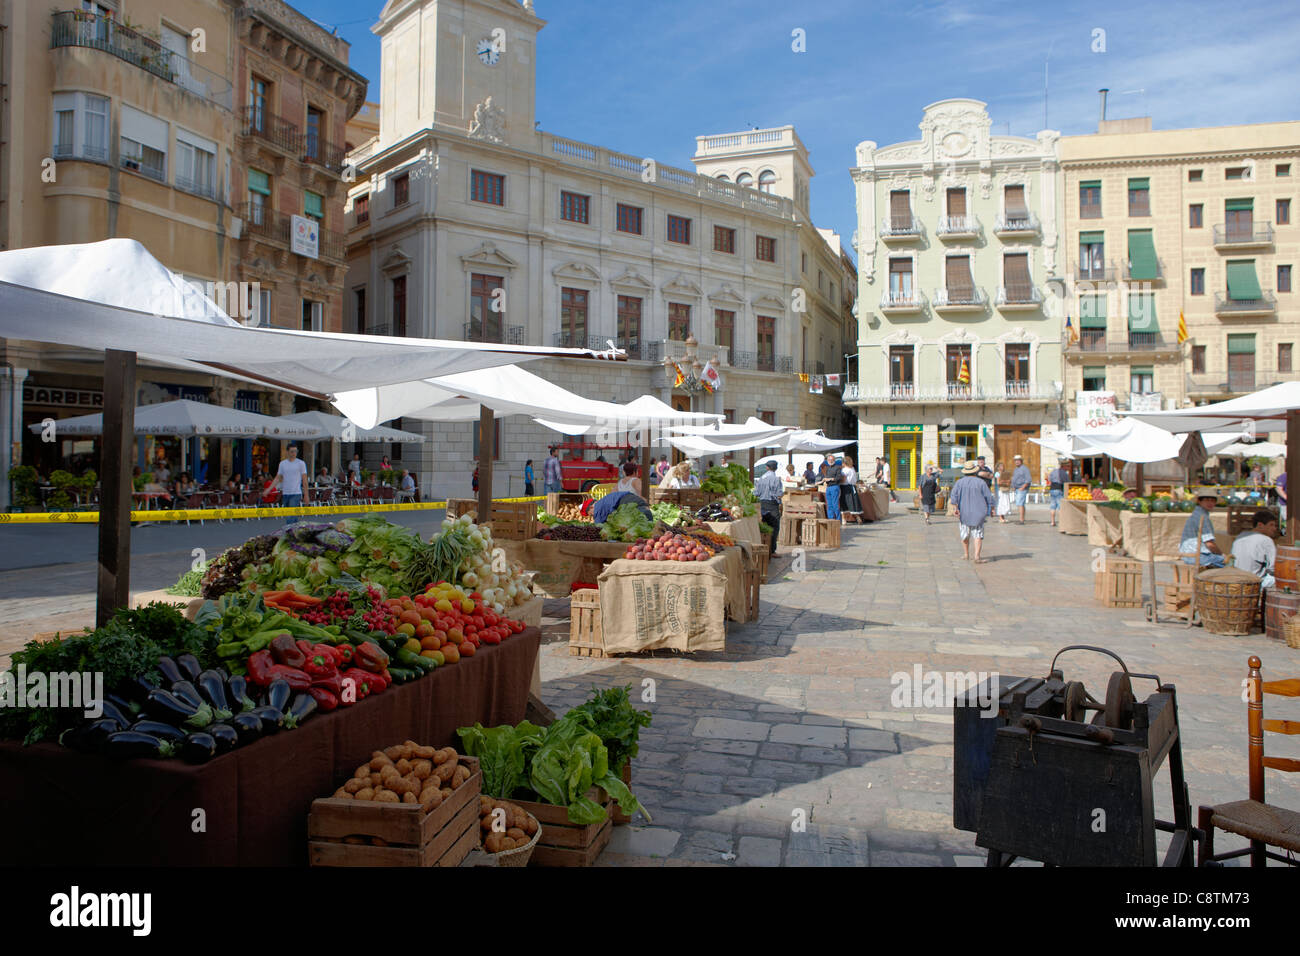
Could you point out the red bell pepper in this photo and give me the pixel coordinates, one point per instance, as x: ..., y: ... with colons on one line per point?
x: 380, y: 682
x: 324, y: 697
x: 333, y: 681
x: 320, y: 661
x: 305, y: 646
x: 343, y: 654
x: 259, y: 668
x: 285, y: 650
x: 360, y: 680
x: 296, y: 678
x: 370, y: 656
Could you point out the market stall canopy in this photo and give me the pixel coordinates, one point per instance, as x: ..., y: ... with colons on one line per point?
x: 806, y: 440
x: 1134, y: 441
x: 1066, y: 445
x: 1270, y: 403
x: 1262, y: 449
x: 185, y: 418
x: 336, y: 427
x: 645, y: 413
x: 752, y: 433
x: 115, y: 295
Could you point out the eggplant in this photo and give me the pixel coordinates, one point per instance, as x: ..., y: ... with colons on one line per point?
x: 170, y: 670
x: 90, y: 736
x: 226, y: 737
x: 187, y: 692
x: 278, y: 693
x: 112, y: 712
x: 237, y: 697
x: 156, y: 728
x: 248, y: 726
x: 190, y: 666
x: 173, y: 710
x: 199, y: 748
x: 127, y: 707
x: 137, y: 688
x: 132, y: 743
x: 303, y: 706
x: 213, y: 688
x: 272, y: 718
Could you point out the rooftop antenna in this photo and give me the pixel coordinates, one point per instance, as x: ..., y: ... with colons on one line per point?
x: 1046, y: 64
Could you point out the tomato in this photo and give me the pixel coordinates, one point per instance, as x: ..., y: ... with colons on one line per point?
x: 455, y: 635
x: 441, y: 635
x: 430, y: 643
x: 469, y: 630
x: 466, y: 649
x: 491, y: 637
x: 475, y: 596
x: 451, y: 653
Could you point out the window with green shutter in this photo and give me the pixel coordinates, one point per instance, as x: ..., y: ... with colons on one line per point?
x: 313, y: 205
x: 1142, y: 261
x: 1243, y: 284
x: 1094, y: 378
x: 1236, y: 205
x: 1090, y: 199
x: 1142, y: 314
x: 1241, y: 344
x: 1241, y: 362
x: 1092, y: 311
x: 259, y: 182
x: 1139, y: 197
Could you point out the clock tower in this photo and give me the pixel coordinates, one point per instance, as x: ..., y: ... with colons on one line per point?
x: 467, y: 65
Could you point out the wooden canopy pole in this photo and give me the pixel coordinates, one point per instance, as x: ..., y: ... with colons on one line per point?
x: 1292, y: 472
x: 646, y: 461
x: 486, y: 432
x: 114, y: 579
x: 751, y: 464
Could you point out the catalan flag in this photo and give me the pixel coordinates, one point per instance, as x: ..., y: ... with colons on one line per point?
x: 1182, y: 329
x: 963, y: 376
x: 1071, y: 333
x: 680, y: 377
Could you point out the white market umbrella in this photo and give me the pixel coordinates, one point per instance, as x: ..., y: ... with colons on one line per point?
x: 810, y: 440
x: 1263, y: 449
x: 188, y: 419
x: 752, y: 433
x: 336, y: 427
x: 1268, y: 403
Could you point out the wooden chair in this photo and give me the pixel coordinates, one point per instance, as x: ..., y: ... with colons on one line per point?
x: 1264, y: 825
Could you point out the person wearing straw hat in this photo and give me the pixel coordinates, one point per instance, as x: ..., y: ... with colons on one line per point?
x: 1020, y: 481
x: 973, y: 501
x: 1198, y: 533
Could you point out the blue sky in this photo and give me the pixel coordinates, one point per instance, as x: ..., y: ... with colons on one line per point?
x: 648, y: 77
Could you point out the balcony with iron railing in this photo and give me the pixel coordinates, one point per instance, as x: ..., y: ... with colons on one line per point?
x: 494, y: 332
x: 958, y: 227
x: 763, y: 362
x: 961, y: 299
x: 142, y: 167
x: 902, y: 301
x: 272, y: 226
x: 76, y: 28
x: 1244, y: 236
x: 676, y: 350
x: 1019, y: 297
x: 1225, y: 306
x: 206, y: 188
x: 1127, y: 272
x: 267, y: 127
x: 1221, y: 384
x: 1094, y: 272
x: 318, y: 151
x: 814, y: 368
x: 901, y: 228
x: 1016, y: 224
x: 900, y: 392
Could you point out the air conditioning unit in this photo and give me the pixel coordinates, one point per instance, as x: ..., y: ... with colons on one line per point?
x: 236, y: 227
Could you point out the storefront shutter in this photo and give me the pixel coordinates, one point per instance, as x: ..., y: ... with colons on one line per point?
x: 1142, y: 313
x: 1239, y: 205
x: 1241, y: 344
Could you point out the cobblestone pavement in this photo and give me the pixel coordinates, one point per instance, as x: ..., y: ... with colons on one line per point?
x: 794, y: 720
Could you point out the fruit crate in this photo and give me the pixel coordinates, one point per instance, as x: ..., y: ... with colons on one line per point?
x: 791, y: 526
x: 513, y: 520
x: 364, y: 833
x: 827, y: 534
x: 1119, y: 583
x: 569, y: 844
x: 762, y: 558
x: 585, y: 636
x: 556, y: 498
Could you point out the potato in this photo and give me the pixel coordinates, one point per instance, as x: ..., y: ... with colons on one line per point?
x: 485, y: 804
x: 510, y: 844
x: 431, y: 798
x: 379, y: 762
x: 516, y: 834
x: 461, y: 776
x: 422, y: 768
x: 362, y: 772
x: 376, y: 780
x: 387, y: 796
x: 389, y: 773
x: 485, y: 822
x: 492, y: 842
x: 353, y: 785
x: 403, y: 766
x: 342, y: 794
x: 443, y: 755
x: 410, y: 797
x: 425, y: 753
x: 365, y: 793
x: 445, y: 771
x: 530, y: 826
x: 446, y: 792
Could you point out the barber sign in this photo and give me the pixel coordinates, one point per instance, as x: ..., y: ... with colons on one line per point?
x: 304, y: 237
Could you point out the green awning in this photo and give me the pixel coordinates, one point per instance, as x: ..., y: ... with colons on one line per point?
x: 1241, y: 344
x: 1094, y: 371
x: 1239, y: 205
x: 1142, y: 254
x: 1092, y: 311
x: 1091, y: 184
x: 1142, y: 370
x: 1091, y: 238
x: 1142, y: 313
x: 259, y: 182
x: 1242, y: 281
x: 1143, y: 183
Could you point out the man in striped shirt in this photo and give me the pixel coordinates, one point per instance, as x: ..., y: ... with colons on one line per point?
x: 769, y: 489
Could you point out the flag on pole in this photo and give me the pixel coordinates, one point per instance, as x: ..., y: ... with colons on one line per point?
x: 1182, y: 328
x: 963, y: 376
x: 711, y: 378
x: 677, y: 381
x: 1071, y: 334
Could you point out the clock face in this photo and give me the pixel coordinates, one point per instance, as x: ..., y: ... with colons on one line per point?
x: 488, y: 51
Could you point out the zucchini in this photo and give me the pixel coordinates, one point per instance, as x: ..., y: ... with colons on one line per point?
x: 407, y: 658
x: 402, y: 675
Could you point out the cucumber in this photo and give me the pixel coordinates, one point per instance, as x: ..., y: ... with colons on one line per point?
x: 407, y: 658
x: 403, y: 675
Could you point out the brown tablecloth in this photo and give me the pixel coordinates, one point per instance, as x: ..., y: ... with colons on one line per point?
x: 68, y: 808
x: 746, y: 529
x: 1104, y: 527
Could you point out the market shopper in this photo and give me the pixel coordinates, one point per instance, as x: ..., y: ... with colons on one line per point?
x: 604, y: 507
x: 831, y: 488
x: 1056, y: 479
x: 929, y: 492
x: 1255, y: 551
x: 809, y: 476
x: 850, y: 503
x: 1003, y: 482
x: 1020, y: 481
x: 661, y: 469
x: 1280, y: 486
x: 289, y: 479
x: 973, y: 501
x: 629, y: 481
x: 886, y: 479
x: 528, y: 477
x: 1198, y: 534
x: 769, y: 490
x: 552, y: 473
x: 984, y: 473
x: 354, y: 468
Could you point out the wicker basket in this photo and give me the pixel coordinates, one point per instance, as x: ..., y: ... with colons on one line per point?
x: 1228, y: 600
x: 520, y: 856
x: 1291, y: 631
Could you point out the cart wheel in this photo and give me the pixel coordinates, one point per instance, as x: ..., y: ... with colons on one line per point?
x: 1149, y: 610
x: 1119, y: 702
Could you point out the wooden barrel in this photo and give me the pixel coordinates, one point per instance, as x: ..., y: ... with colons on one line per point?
x: 1286, y: 564
x: 1278, y: 606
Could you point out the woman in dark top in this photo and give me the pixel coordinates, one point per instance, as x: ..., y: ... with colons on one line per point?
x: 929, y: 490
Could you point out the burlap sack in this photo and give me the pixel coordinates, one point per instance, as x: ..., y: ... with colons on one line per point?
x: 1104, y: 528
x: 746, y: 529
x: 1166, y: 533
x: 1074, y: 517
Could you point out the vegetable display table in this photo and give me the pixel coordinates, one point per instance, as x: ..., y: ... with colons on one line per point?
x: 746, y: 529
x: 681, y: 605
x: 1166, y: 533
x: 1104, y: 528
x: 1074, y: 517
x: 558, y: 565
x: 81, y: 809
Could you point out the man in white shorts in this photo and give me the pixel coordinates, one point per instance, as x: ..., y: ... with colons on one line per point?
x: 974, y: 502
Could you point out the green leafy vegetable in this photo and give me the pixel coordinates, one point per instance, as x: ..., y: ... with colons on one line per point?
x: 627, y: 523
x: 617, y: 723
x: 502, y: 753
x: 568, y: 762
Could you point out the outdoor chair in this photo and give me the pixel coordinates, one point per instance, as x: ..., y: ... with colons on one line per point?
x: 1261, y: 823
x: 387, y: 494
x: 194, y: 502
x: 403, y: 496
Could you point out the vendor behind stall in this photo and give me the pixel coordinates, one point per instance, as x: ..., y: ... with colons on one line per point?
x: 604, y: 507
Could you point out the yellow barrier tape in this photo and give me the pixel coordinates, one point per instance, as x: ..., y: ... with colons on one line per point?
x: 222, y: 514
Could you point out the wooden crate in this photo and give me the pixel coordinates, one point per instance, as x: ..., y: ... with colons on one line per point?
x: 789, y: 533
x: 556, y: 498
x: 585, y: 636
x: 567, y: 844
x: 762, y: 558
x: 441, y: 837
x: 618, y: 816
x: 828, y: 533
x: 1119, y: 583
x: 752, y: 584
x: 459, y: 506
x: 513, y: 520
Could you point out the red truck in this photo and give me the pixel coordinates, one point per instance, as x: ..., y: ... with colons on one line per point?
x: 586, y: 464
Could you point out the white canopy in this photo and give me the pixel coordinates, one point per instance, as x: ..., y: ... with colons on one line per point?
x: 1135, y: 441
x: 810, y: 440
x: 114, y: 295
x: 1273, y: 402
x: 187, y: 419
x: 335, y: 426
x: 752, y: 433
x: 645, y: 413
x: 1261, y: 449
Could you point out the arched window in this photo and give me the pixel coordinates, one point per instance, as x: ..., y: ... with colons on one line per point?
x: 744, y: 179
x: 722, y: 178
x: 766, y: 180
